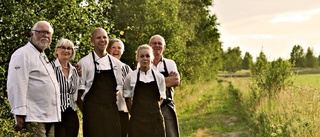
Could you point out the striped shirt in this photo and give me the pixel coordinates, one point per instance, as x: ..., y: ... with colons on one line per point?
x: 68, y: 85
x: 125, y: 70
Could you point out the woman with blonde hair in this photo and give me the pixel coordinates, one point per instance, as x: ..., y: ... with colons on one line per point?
x: 144, y: 90
x: 68, y: 80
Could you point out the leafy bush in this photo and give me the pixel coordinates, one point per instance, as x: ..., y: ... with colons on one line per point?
x: 270, y: 78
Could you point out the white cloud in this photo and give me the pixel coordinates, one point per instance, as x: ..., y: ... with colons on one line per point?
x: 295, y: 17
x: 256, y: 36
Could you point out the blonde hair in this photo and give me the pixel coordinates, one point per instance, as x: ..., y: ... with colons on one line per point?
x: 66, y: 42
x: 145, y: 46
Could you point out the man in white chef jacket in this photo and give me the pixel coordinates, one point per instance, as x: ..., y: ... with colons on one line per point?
x: 33, y: 90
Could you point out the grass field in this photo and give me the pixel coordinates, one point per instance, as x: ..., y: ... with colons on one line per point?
x: 210, y: 109
x: 307, y: 81
x: 222, y: 108
x: 293, y: 112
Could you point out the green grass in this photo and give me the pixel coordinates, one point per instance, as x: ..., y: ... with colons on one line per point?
x: 210, y: 109
x: 295, y: 111
x: 302, y: 71
x: 307, y: 80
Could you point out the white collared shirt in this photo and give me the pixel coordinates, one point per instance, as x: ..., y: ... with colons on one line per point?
x: 88, y: 70
x: 33, y: 89
x: 131, y: 80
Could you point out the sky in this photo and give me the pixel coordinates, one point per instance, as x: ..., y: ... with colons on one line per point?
x: 271, y: 26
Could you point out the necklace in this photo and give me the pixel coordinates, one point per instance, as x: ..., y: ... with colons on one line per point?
x: 65, y: 67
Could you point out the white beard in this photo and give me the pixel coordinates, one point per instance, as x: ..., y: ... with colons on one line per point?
x: 42, y: 45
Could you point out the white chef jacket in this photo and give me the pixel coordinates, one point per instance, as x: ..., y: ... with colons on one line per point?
x: 88, y: 66
x: 170, y: 64
x: 33, y: 89
x: 131, y: 80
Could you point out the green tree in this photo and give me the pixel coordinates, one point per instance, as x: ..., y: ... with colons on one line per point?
x: 258, y: 71
x: 311, y: 61
x: 319, y: 59
x: 141, y: 19
x: 192, y: 41
x: 73, y: 19
x: 270, y: 77
x: 232, y: 59
x: 247, y: 61
x: 297, y: 56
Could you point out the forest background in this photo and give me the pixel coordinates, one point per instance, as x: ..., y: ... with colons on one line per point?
x: 190, y: 31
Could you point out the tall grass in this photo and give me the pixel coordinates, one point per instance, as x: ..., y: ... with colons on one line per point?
x: 293, y: 112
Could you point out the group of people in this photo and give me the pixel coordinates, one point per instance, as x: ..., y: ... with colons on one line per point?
x: 114, y: 100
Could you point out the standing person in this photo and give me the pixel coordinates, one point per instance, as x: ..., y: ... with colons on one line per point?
x: 68, y: 79
x: 101, y: 78
x: 144, y: 90
x: 168, y: 68
x: 116, y: 48
x: 33, y: 90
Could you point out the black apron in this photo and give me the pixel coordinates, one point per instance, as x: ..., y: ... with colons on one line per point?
x: 100, y: 111
x: 168, y: 110
x: 146, y: 118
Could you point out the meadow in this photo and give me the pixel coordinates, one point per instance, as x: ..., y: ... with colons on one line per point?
x: 225, y: 107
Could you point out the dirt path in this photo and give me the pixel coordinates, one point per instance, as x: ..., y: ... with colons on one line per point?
x: 218, y: 114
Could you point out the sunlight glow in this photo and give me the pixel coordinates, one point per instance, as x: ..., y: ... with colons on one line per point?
x: 295, y: 17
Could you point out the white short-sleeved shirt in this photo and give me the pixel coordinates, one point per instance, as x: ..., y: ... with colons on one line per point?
x: 170, y: 64
x: 131, y: 80
x: 33, y: 89
x: 88, y: 70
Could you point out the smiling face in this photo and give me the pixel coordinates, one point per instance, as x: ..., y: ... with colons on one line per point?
x: 42, y: 35
x: 158, y: 45
x: 116, y: 49
x: 64, y: 50
x: 100, y: 40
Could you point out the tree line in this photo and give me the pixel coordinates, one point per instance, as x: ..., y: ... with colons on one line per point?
x: 189, y: 29
x: 233, y: 60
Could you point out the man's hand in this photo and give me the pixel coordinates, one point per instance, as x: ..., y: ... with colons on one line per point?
x: 78, y: 67
x: 173, y: 79
x: 19, y: 122
x: 173, y: 74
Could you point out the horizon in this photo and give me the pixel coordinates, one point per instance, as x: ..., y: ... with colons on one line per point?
x: 268, y: 26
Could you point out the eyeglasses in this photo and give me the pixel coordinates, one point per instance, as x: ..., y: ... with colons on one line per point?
x: 43, y: 32
x: 155, y: 43
x: 65, y: 48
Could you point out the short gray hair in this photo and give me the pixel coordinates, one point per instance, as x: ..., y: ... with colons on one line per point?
x: 68, y: 42
x: 157, y: 35
x: 35, y: 26
x: 113, y: 41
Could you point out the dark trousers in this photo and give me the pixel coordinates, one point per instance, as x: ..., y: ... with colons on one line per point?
x: 170, y: 122
x: 69, y: 126
x: 124, y: 122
